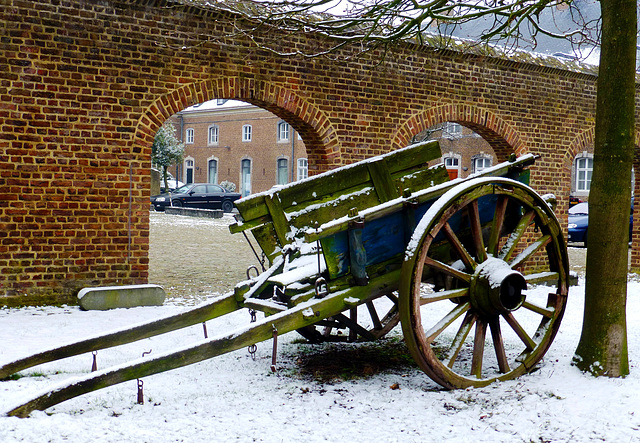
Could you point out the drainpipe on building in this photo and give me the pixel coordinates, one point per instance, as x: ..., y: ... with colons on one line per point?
x: 177, y: 177
x: 293, y: 150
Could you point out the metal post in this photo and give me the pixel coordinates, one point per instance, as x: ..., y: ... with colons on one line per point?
x: 293, y: 152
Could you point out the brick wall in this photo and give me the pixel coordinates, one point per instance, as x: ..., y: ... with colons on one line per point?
x: 84, y: 86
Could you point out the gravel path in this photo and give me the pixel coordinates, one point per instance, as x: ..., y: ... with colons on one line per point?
x: 193, y: 258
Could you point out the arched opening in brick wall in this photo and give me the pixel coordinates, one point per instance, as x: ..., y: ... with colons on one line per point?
x: 234, y: 134
x: 498, y: 134
x: 471, y: 139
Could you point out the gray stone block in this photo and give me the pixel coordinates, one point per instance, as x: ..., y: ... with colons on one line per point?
x: 194, y: 212
x: 111, y: 297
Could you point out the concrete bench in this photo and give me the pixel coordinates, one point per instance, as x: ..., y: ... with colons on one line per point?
x: 111, y: 297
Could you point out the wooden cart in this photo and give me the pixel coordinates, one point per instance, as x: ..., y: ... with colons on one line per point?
x: 354, y: 251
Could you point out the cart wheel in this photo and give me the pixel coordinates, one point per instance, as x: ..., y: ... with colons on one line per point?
x: 349, y: 326
x: 470, y: 262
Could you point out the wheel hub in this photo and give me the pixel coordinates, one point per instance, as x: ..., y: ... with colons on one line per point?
x: 496, y: 288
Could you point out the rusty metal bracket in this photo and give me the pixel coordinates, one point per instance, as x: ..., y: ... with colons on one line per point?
x: 140, y: 392
x: 255, y: 268
x: 251, y: 349
x: 275, y: 349
x: 321, y: 287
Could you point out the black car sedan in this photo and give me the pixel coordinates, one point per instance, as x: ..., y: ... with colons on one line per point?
x: 197, y: 195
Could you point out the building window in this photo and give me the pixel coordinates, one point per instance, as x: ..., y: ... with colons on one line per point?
x: 283, y: 171
x: 303, y: 168
x: 246, y: 177
x: 214, y: 133
x: 213, y: 171
x: 283, y: 131
x: 452, y: 130
x: 481, y: 163
x: 188, y: 168
x: 189, y: 135
x: 452, y: 163
x: 584, y: 170
x: 246, y: 133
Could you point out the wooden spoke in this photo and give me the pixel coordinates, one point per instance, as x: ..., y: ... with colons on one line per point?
x: 498, y: 345
x: 530, y: 251
x: 443, y: 267
x: 513, y: 240
x: 476, y: 231
x: 542, y: 277
x: 466, y: 258
x: 496, y: 226
x: 451, y: 255
x: 446, y: 321
x: 374, y: 315
x: 519, y: 330
x: 478, y: 349
x: 443, y: 295
x: 456, y: 345
x: 546, y: 312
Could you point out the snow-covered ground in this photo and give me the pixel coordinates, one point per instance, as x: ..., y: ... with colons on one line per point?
x: 237, y: 398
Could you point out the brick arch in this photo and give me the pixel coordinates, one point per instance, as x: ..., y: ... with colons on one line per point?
x: 312, y: 124
x: 500, y: 135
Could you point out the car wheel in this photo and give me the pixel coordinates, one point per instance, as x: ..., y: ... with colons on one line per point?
x: 177, y: 203
x: 227, y: 206
x: 584, y: 239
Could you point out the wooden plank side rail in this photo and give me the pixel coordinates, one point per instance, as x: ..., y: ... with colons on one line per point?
x: 319, y: 199
x: 505, y: 169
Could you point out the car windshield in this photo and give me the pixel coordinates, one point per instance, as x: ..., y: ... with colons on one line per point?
x: 579, y: 209
x: 182, y: 189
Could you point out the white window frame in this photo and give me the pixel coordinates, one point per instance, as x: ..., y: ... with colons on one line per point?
x: 583, y: 164
x: 189, y: 136
x: 189, y: 164
x: 245, y: 181
x: 452, y: 130
x: 303, y: 168
x: 209, y: 160
x: 484, y: 159
x: 282, y: 171
x: 213, y: 135
x: 284, y: 131
x: 247, y: 131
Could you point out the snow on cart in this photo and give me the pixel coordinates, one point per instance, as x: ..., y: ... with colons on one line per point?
x: 349, y: 254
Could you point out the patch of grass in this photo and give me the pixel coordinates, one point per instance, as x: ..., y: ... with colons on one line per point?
x: 331, y: 362
x: 16, y: 376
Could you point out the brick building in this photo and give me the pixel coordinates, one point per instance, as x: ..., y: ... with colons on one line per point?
x: 229, y: 140
x: 464, y: 152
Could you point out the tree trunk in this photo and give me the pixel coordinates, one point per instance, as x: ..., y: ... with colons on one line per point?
x: 164, y: 177
x: 602, y: 349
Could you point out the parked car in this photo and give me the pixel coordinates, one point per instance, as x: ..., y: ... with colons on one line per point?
x: 173, y: 185
x: 579, y: 222
x: 197, y: 195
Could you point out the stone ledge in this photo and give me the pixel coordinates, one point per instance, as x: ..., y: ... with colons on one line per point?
x: 193, y: 212
x: 111, y: 297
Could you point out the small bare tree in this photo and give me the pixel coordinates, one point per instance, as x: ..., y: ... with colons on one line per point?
x: 166, y: 150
